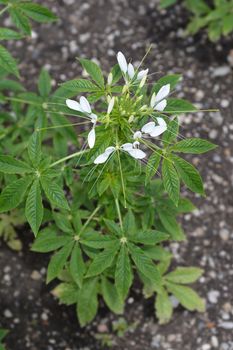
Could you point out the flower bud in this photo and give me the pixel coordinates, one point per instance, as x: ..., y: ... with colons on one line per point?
x: 110, y: 78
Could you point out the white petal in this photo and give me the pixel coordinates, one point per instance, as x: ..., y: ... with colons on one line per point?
x: 161, y: 122
x: 122, y: 62
x: 142, y: 74
x: 137, y: 135
x: 101, y: 158
x: 127, y: 146
x: 136, y: 144
x: 162, y: 93
x: 147, y: 128
x: 131, y: 70
x: 94, y: 118
x: 91, y: 138
x: 110, y: 149
x: 161, y: 106
x: 158, y: 130
x: 111, y: 105
x: 85, y: 105
x: 152, y: 101
x: 74, y: 105
x: 137, y: 153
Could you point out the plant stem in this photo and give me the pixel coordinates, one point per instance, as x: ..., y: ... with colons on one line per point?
x: 4, y: 10
x: 89, y: 219
x: 119, y: 213
x: 67, y: 158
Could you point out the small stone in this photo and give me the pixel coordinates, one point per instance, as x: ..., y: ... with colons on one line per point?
x: 214, y: 341
x: 102, y: 328
x: 8, y: 313
x: 174, y: 301
x: 213, y: 296
x: 224, y: 234
x: 221, y: 71
x: 44, y: 316
x: 217, y: 118
x: 35, y: 275
x: 213, y: 134
x: 206, y: 347
x: 225, y: 103
x: 226, y: 325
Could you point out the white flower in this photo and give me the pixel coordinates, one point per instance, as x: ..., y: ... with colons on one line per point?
x: 130, y: 148
x: 128, y: 69
x: 111, y: 105
x: 155, y: 130
x: 158, y: 101
x: 83, y: 106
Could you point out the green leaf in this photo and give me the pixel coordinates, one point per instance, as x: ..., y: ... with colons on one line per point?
x: 7, y: 62
x: 80, y: 85
x: 34, y: 210
x: 187, y: 297
x: 185, y: 206
x: 149, y: 237
x: 113, y: 227
x: 58, y: 261
x: 129, y: 223
x: 9, y: 34
x: 184, y: 275
x: 77, y: 265
x: 54, y: 193
x: 9, y: 165
x: 67, y: 293
x: 227, y: 24
x: 169, y: 222
x: 37, y: 12
x: 48, y: 241
x: 20, y: 20
x: 116, y: 74
x: 87, y: 302
x: 63, y: 222
x: 171, y: 180
x: 167, y: 3
x: 189, y: 175
x: 96, y: 240
x: 145, y: 265
x: 152, y: 165
x: 93, y: 70
x: 123, y: 273
x: 103, y: 260
x: 163, y: 307
x: 34, y: 148
x: 157, y: 253
x: 111, y: 297
x: 194, y: 146
x: 172, y: 132
x: 14, y: 193
x: 12, y: 85
x: 44, y: 83
x: 179, y: 106
x: 172, y: 79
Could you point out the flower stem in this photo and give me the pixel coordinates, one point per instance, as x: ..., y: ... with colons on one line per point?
x: 119, y: 213
x: 67, y: 158
x: 4, y: 10
x: 89, y: 219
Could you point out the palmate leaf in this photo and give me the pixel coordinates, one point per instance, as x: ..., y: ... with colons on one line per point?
x: 80, y: 85
x: 171, y: 180
x: 67, y: 293
x: 184, y: 275
x: 9, y: 165
x: 9, y: 34
x: 163, y: 307
x: 34, y: 210
x: 123, y: 273
x: 194, y: 146
x: 8, y: 84
x: 189, y: 175
x: 14, y: 193
x: 20, y: 20
x: 58, y: 261
x: 44, y: 83
x: 129, y: 223
x: 93, y: 70
x: 36, y: 12
x: 77, y: 265
x: 87, y: 305
x: 103, y: 260
x: 152, y: 165
x: 47, y: 241
x: 96, y: 240
x: 172, y: 79
x: 111, y: 296
x: 34, y: 148
x: 7, y: 62
x: 54, y: 193
x: 169, y: 222
x: 172, y: 132
x: 178, y: 105
x: 150, y: 237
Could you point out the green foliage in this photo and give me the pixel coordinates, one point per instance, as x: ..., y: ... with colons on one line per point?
x: 215, y: 16
x: 3, y: 334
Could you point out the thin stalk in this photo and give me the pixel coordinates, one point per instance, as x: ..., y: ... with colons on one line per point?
x: 89, y: 219
x: 67, y: 158
x: 119, y: 213
x: 4, y: 9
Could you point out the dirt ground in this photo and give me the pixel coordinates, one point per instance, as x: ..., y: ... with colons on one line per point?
x: 98, y: 29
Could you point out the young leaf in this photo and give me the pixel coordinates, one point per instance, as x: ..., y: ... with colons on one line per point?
x: 34, y: 210
x: 34, y: 148
x: 67, y: 293
x: 171, y: 180
x: 169, y: 222
x: 113, y: 227
x: 102, y: 260
x: 123, y: 273
x: 94, y: 71
x: 80, y: 85
x: 194, y: 146
x: 44, y: 83
x: 172, y: 132
x: 48, y: 241
x: 87, y: 305
x: 9, y: 165
x: 163, y: 307
x: 54, y: 193
x: 9, y: 34
x: 150, y: 237
x: 37, y: 12
x: 179, y: 106
x: 7, y: 62
x: 111, y: 296
x: 189, y: 175
x: 184, y: 275
x: 145, y: 265
x: 77, y: 265
x: 152, y: 165
x: 58, y: 261
x: 172, y: 79
x: 129, y: 223
x: 14, y: 193
x: 63, y: 223
x: 187, y: 297
x: 20, y: 20
x: 96, y: 240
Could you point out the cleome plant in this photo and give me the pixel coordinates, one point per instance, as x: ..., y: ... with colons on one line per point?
x: 99, y: 182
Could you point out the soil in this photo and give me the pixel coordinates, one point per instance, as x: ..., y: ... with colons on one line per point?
x: 98, y: 29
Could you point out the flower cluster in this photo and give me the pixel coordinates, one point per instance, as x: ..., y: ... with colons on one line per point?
x: 158, y: 103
